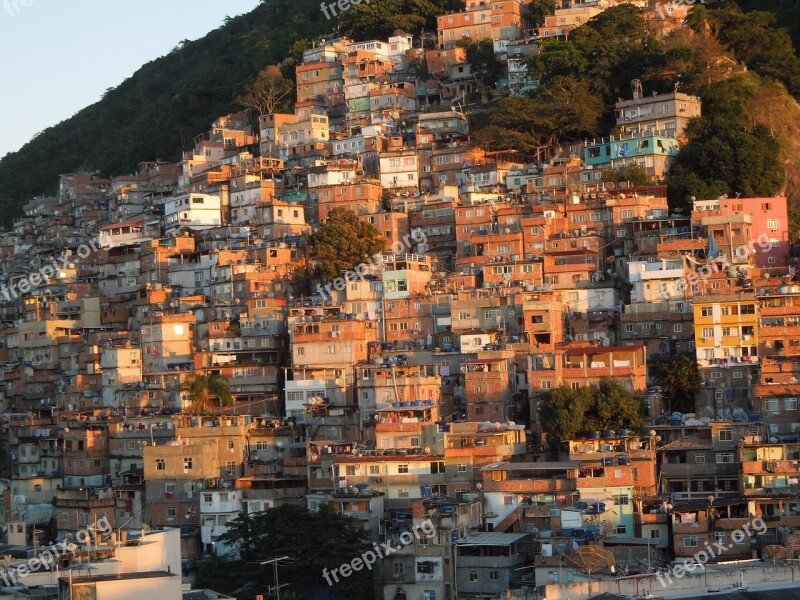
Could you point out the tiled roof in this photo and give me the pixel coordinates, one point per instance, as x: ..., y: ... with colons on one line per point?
x: 690, y: 442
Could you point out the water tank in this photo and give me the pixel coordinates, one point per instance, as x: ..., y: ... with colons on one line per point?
x: 607, y: 461
x: 545, y: 533
x: 608, y: 433
x: 623, y: 460
x: 623, y: 433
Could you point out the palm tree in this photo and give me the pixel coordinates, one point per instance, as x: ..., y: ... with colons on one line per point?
x: 680, y: 381
x: 202, y: 388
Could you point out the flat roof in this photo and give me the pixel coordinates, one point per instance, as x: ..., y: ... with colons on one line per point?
x: 484, y: 361
x: 491, y: 538
x: 120, y: 577
x: 601, y: 349
x: 530, y: 466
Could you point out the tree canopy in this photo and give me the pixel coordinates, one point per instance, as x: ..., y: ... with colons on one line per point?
x: 565, y: 412
x: 755, y: 39
x: 266, y: 93
x: 341, y: 243
x: 680, y: 381
x: 725, y: 153
x: 384, y: 18
x: 313, y: 541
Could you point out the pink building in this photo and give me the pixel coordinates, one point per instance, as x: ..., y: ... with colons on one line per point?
x: 770, y: 220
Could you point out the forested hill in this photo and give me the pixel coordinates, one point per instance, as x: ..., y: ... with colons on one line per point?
x: 157, y: 111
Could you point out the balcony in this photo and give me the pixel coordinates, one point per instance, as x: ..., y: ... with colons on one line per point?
x: 650, y: 518
x: 699, y: 527
x: 531, y: 485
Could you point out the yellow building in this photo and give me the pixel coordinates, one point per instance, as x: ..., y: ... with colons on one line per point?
x: 726, y: 339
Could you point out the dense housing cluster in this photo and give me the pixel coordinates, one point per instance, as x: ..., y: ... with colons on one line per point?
x: 409, y: 389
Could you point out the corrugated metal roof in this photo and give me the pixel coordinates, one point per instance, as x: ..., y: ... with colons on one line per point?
x: 491, y: 538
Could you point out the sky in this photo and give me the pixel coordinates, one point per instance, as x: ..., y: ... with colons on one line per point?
x: 58, y: 56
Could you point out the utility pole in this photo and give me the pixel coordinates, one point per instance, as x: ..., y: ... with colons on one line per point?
x: 277, y: 587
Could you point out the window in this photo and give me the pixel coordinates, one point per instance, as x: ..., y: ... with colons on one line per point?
x: 160, y: 464
x: 374, y: 469
x: 726, y: 435
x: 402, y: 493
x: 231, y: 467
x: 699, y: 459
x: 771, y: 405
x: 231, y: 445
x: 719, y: 537
x: 773, y: 224
x: 706, y: 311
x: 171, y: 512
x: 402, y: 469
x: 677, y: 328
x: 725, y: 457
x: 461, y: 468
x: 187, y: 463
x: 473, y: 575
x: 208, y: 498
x: 169, y: 487
x: 508, y: 500
x: 708, y: 332
x: 628, y: 327
x: 621, y: 500
x: 620, y: 530
x: 494, y: 575
x: 655, y: 534
x: 437, y: 467
x: 690, y: 541
x: 790, y: 404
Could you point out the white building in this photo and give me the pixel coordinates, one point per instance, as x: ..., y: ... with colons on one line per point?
x: 195, y: 211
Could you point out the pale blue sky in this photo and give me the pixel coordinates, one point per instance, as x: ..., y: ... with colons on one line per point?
x: 58, y: 56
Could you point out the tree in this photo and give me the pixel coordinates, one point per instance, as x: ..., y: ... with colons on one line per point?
x: 266, y: 93
x: 726, y: 153
x: 565, y: 413
x: 313, y: 541
x: 680, y: 381
x: 539, y: 9
x: 203, y: 388
x: 483, y: 61
x: 634, y: 174
x: 341, y: 243
x: 379, y: 20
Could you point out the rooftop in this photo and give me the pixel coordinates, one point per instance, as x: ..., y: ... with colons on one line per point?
x: 491, y: 538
